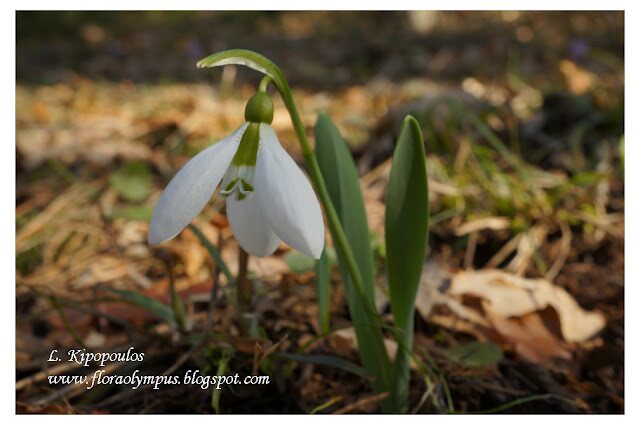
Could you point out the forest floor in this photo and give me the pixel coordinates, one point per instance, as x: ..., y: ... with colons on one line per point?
x: 523, y: 116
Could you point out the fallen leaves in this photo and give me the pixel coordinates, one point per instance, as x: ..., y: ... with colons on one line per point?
x: 507, y: 295
x: 537, y: 318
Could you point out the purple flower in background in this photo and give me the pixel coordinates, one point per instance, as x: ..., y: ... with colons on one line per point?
x: 579, y: 49
x: 195, y: 49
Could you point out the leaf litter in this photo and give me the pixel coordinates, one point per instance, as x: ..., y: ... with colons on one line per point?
x: 540, y: 260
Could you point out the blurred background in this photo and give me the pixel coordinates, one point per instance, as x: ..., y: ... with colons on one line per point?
x: 522, y: 114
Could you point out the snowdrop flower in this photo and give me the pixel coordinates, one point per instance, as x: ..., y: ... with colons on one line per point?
x: 269, y: 199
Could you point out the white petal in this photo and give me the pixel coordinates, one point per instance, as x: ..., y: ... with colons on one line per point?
x: 287, y: 198
x: 191, y: 188
x: 250, y: 227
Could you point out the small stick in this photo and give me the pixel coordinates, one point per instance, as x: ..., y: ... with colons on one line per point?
x: 73, y: 390
x: 215, y: 278
x: 243, y: 284
x: 361, y: 403
x: 470, y: 253
x: 565, y: 250
x: 174, y: 299
x: 43, y: 374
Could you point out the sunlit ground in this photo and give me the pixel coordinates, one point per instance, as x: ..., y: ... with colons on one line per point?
x: 523, y: 119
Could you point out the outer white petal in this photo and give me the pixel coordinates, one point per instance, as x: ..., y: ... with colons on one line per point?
x: 287, y: 198
x: 250, y: 226
x: 191, y: 188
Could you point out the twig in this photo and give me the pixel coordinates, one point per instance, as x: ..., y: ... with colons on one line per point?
x: 430, y: 387
x: 42, y: 375
x: 565, y: 248
x: 71, y: 391
x: 215, y: 278
x: 470, y: 252
x: 361, y: 403
x: 259, y: 357
x: 325, y: 405
x: 523, y: 401
x: 243, y: 284
x: 504, y: 252
x: 176, y: 302
x: 601, y: 223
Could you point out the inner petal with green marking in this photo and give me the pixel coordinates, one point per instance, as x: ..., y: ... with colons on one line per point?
x: 240, y: 175
x: 238, y: 180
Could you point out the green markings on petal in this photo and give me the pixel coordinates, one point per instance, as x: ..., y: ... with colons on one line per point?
x: 247, y: 153
x: 240, y: 176
x: 238, y: 180
x: 229, y: 187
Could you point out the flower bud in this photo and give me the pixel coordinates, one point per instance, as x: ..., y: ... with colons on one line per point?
x: 259, y: 109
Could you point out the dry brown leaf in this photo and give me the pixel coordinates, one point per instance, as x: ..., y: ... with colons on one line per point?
x: 538, y: 319
x: 192, y: 255
x: 457, y: 324
x: 507, y: 295
x: 268, y: 268
x: 100, y: 270
x: 530, y: 337
x: 375, y: 212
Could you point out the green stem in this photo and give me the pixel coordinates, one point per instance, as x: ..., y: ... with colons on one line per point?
x: 339, y: 237
x: 176, y: 302
x: 222, y: 368
x: 401, y: 368
x: 264, y: 83
x: 248, y: 320
x: 337, y: 231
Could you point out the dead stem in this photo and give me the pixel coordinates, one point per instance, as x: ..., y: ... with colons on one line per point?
x: 176, y: 303
x: 362, y: 403
x: 244, y: 291
x: 215, y: 276
x: 243, y: 284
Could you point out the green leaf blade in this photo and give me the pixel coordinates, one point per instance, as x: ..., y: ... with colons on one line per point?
x: 406, y: 234
x: 406, y: 221
x: 213, y: 252
x: 343, y: 185
x: 160, y: 310
x: 327, y: 360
